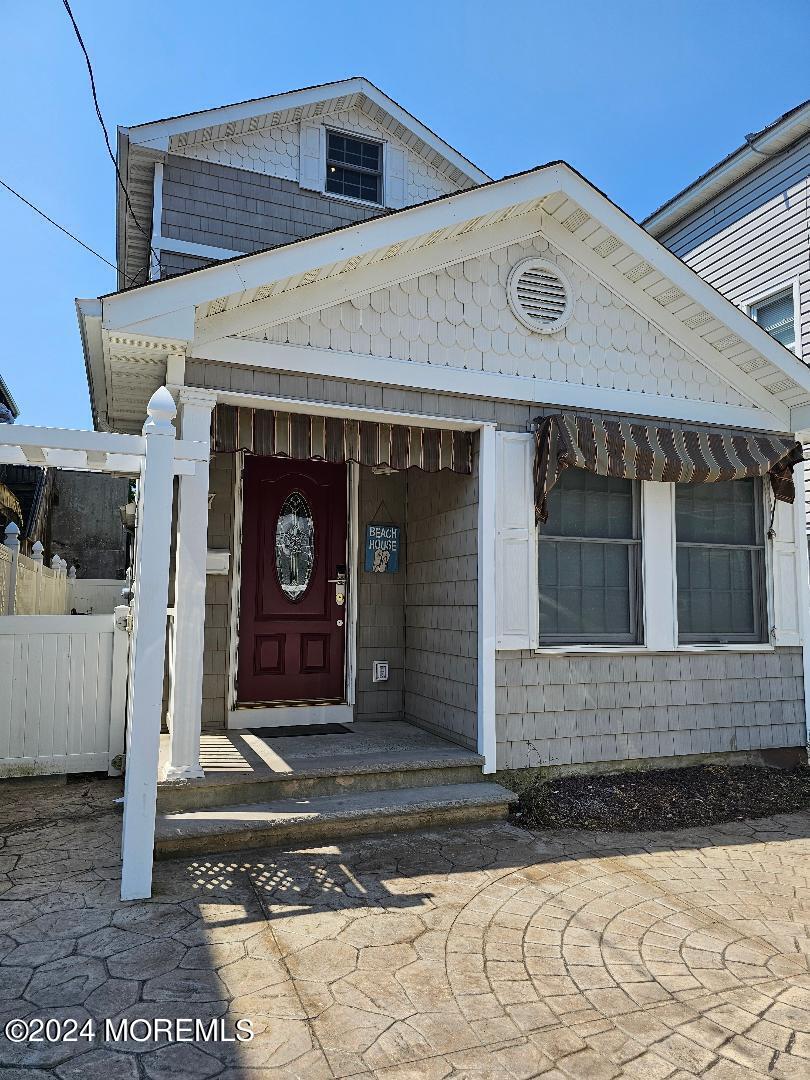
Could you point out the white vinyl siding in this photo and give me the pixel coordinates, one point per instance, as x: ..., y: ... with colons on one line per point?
x: 755, y: 237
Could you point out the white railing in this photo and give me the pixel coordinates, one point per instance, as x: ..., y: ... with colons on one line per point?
x: 27, y: 586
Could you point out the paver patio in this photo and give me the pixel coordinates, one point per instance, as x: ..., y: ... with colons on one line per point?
x: 486, y: 952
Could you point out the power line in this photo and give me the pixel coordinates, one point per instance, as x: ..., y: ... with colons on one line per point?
x: 56, y: 224
x: 104, y: 129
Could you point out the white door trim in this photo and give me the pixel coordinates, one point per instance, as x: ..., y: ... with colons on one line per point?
x: 250, y: 716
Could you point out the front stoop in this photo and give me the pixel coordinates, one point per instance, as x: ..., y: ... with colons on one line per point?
x: 296, y: 821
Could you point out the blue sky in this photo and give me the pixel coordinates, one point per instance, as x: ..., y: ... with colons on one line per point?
x: 641, y: 97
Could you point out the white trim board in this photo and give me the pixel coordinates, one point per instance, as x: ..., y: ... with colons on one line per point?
x: 408, y: 374
x: 289, y: 716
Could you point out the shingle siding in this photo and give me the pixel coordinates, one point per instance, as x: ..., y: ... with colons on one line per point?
x: 381, y: 604
x: 172, y: 263
x: 571, y: 710
x: 243, y: 211
x: 441, y: 613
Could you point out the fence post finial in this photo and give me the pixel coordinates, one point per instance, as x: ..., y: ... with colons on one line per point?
x: 160, y: 413
x: 56, y: 563
x: 12, y: 537
x: 72, y: 573
x: 37, y: 551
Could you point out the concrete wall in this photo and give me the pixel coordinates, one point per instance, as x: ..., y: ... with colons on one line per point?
x: 441, y: 604
x: 217, y: 205
x: 381, y: 604
x: 567, y: 710
x: 85, y: 526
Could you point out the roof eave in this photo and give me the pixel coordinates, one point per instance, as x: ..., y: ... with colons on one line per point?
x: 739, y: 163
x: 88, y: 313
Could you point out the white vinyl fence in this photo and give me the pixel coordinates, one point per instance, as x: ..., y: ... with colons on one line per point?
x: 64, y: 681
x: 27, y: 586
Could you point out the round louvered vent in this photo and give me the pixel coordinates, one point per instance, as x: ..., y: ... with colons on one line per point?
x: 540, y: 296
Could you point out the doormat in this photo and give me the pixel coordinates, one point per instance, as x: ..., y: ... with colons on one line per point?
x: 300, y: 729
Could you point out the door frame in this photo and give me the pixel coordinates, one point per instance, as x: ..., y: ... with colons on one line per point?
x: 247, y: 716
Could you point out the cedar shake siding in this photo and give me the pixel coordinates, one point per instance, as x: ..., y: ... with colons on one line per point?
x: 224, y: 207
x: 571, y: 710
x: 380, y: 603
x: 442, y: 605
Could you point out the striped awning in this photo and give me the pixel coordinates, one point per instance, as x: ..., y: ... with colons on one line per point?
x: 268, y: 433
x: 641, y: 451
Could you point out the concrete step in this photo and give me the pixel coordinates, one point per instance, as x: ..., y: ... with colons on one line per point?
x: 293, y: 822
x: 313, y: 779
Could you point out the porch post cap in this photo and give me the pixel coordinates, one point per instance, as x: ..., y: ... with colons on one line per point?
x: 197, y: 395
x: 160, y: 412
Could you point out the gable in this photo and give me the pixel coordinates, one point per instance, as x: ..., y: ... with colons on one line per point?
x: 459, y: 317
x: 275, y: 151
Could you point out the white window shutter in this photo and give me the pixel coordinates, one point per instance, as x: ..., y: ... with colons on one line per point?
x: 517, y: 600
x: 787, y: 593
x: 311, y: 157
x: 395, y: 166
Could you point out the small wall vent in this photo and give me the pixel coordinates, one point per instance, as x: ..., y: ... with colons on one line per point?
x: 540, y: 295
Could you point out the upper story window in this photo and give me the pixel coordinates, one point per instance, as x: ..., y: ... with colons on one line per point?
x: 776, y: 315
x: 720, y: 559
x: 353, y: 167
x: 589, y: 562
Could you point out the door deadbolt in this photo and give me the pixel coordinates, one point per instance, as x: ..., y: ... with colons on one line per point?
x: 339, y: 581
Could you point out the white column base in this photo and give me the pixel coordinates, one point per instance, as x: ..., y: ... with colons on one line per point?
x: 182, y: 772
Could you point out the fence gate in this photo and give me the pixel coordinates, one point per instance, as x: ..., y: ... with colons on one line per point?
x: 65, y: 693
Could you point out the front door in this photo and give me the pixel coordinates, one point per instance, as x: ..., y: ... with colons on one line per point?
x: 292, y: 631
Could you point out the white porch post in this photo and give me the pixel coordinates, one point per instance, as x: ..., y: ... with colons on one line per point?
x: 486, y: 596
x: 185, y: 707
x: 148, y: 647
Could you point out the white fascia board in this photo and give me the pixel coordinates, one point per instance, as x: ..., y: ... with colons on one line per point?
x: 409, y: 375
x: 139, y: 305
x: 88, y: 313
x: 157, y: 134
x: 722, y: 176
x: 686, y: 279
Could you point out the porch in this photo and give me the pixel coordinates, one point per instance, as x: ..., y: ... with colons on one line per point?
x: 265, y: 787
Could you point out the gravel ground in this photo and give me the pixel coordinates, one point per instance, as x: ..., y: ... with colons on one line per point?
x: 658, y: 799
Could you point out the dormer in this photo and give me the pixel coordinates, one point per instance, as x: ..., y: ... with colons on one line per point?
x: 244, y: 178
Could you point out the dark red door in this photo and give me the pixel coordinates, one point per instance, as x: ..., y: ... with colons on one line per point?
x: 291, y: 626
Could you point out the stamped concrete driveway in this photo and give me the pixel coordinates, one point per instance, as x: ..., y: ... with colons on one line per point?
x: 488, y: 952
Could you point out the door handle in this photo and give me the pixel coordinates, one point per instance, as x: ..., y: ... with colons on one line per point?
x: 340, y: 586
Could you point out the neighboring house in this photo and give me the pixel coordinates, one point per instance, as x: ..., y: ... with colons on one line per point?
x: 74, y: 515
x: 390, y: 352
x: 744, y: 226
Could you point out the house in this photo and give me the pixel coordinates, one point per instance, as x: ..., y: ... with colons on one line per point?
x: 485, y: 455
x: 744, y: 226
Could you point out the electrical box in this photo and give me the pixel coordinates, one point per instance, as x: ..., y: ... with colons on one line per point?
x: 379, y: 671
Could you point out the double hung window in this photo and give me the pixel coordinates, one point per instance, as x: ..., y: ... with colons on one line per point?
x: 776, y: 315
x: 720, y: 561
x: 589, y: 562
x: 353, y: 167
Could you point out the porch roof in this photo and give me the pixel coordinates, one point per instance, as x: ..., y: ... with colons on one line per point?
x: 130, y: 335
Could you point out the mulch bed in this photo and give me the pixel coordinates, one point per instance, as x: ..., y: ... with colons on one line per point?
x: 658, y: 799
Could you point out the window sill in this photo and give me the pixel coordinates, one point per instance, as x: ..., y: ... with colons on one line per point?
x: 642, y: 650
x: 352, y: 201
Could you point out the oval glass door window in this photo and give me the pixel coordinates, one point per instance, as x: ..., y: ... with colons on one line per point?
x: 295, y: 546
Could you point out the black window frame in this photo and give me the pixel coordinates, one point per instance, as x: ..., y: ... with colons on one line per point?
x: 758, y: 576
x: 635, y: 637
x: 360, y: 170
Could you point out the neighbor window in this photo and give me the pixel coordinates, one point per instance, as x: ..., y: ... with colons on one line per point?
x: 776, y: 316
x: 353, y: 167
x: 589, y: 555
x: 720, y: 561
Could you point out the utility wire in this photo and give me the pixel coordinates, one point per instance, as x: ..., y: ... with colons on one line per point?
x: 56, y: 224
x: 104, y: 129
